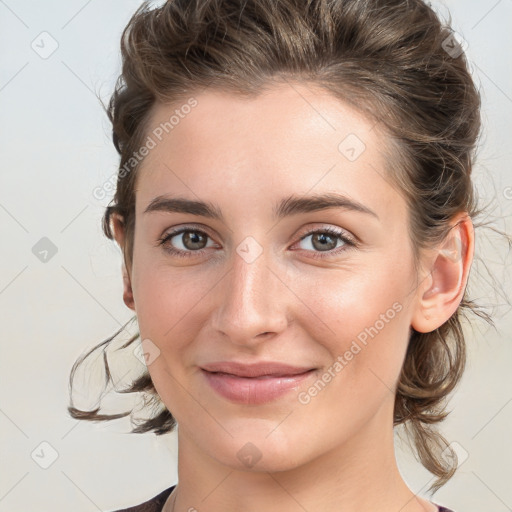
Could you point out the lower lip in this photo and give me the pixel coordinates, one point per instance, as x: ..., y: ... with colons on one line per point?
x: 254, y: 390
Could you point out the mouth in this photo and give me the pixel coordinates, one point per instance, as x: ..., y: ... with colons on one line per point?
x: 255, y: 390
x: 255, y: 370
x: 260, y: 377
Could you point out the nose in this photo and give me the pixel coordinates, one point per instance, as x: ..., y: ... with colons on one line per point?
x: 252, y: 302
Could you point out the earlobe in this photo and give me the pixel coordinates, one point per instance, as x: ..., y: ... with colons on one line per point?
x: 119, y: 235
x: 442, y: 290
x: 127, y: 289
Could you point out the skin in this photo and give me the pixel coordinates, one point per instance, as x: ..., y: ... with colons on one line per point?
x: 244, y: 155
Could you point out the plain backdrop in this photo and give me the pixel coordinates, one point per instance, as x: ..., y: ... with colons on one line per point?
x: 55, y: 148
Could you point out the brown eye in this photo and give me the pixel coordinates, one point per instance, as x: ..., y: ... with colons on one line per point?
x: 185, y: 242
x: 193, y: 240
x: 323, y: 241
x: 326, y: 241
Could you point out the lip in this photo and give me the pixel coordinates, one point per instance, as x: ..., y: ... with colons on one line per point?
x: 268, y: 383
x: 260, y: 369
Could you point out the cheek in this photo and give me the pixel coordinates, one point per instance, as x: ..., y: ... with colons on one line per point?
x: 168, y: 306
x: 366, y: 350
x: 162, y: 294
x: 349, y: 301
x: 362, y: 318
x: 165, y: 300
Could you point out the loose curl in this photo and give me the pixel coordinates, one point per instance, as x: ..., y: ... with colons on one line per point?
x: 388, y: 59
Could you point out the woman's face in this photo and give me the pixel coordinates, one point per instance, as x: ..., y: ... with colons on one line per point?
x: 264, y: 281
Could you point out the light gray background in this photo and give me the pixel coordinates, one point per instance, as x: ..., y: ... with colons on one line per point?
x: 55, y: 149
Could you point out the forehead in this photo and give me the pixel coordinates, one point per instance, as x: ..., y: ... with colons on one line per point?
x: 281, y: 115
x: 292, y: 138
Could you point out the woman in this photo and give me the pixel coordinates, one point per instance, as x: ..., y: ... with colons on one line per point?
x: 295, y: 209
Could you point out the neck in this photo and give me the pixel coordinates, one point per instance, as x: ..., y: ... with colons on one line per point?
x: 360, y: 474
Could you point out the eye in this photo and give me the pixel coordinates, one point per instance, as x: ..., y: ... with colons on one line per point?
x: 326, y: 240
x: 189, y: 242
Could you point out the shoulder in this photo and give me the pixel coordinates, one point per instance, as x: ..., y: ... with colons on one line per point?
x: 155, y: 504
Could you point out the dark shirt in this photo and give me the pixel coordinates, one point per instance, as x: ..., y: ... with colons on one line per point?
x: 156, y: 504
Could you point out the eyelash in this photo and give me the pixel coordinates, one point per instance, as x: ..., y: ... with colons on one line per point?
x: 349, y: 242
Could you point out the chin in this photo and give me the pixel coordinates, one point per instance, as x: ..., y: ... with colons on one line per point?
x: 259, y: 452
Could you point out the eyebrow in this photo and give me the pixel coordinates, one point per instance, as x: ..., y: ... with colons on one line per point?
x: 291, y: 205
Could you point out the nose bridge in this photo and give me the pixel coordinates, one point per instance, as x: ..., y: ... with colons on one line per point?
x: 251, y: 299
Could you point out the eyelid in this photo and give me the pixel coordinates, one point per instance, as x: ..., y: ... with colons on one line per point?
x: 175, y: 230
x: 337, y: 231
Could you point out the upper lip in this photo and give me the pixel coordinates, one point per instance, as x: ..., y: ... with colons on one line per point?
x: 255, y: 369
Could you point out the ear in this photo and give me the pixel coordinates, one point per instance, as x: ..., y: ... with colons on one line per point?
x: 441, y: 291
x: 119, y: 235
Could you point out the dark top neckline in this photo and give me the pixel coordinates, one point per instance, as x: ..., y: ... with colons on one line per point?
x: 156, y: 503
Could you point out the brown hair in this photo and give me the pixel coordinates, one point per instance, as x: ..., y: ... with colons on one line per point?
x: 390, y: 59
